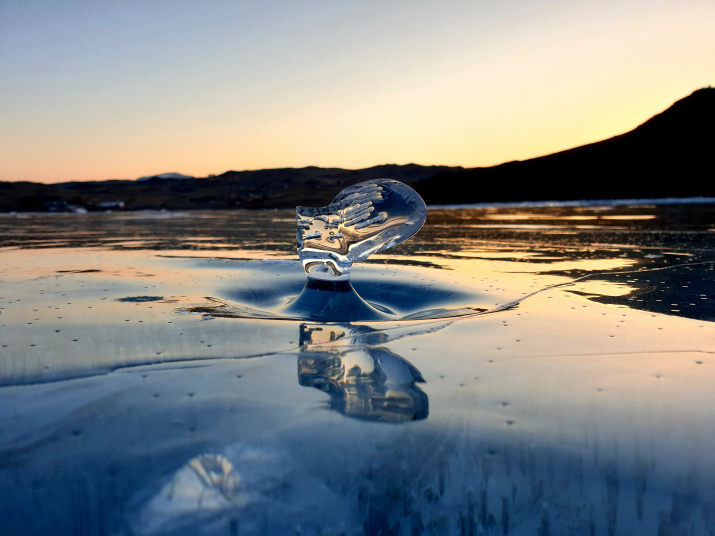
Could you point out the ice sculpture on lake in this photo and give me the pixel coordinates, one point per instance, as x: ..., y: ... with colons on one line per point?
x: 363, y: 219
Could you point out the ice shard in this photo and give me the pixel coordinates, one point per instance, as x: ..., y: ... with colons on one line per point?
x: 363, y: 219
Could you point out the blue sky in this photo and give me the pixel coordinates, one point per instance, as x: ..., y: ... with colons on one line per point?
x: 93, y: 90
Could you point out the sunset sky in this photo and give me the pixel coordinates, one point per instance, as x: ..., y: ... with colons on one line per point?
x: 93, y: 90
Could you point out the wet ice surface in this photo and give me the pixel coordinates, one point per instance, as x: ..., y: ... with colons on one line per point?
x: 567, y: 389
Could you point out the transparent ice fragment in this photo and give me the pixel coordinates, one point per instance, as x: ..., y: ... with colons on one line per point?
x: 363, y: 219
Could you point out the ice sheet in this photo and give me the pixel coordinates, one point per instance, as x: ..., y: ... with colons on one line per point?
x: 575, y: 398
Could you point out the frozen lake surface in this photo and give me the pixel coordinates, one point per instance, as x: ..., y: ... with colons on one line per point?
x: 550, y: 372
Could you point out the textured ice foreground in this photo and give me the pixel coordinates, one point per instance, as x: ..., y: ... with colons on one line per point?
x: 142, y: 394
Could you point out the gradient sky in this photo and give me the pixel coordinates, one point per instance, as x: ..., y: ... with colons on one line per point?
x: 93, y: 90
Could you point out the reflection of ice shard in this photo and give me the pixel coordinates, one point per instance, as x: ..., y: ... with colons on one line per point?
x: 364, y: 382
x: 363, y: 219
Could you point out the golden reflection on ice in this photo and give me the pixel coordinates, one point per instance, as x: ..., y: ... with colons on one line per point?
x: 629, y: 217
x: 474, y: 261
x: 602, y: 288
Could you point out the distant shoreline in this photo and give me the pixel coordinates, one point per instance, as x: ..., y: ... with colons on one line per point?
x: 583, y: 203
x: 515, y: 204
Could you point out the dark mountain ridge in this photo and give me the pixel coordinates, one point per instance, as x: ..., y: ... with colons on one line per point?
x: 263, y: 188
x: 670, y: 155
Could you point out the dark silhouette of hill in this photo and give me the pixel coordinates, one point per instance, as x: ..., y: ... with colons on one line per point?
x: 265, y: 188
x: 670, y: 155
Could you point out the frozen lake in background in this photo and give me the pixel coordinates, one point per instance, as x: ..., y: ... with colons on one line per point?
x: 552, y: 374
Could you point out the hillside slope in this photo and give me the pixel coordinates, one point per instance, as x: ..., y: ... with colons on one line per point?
x: 670, y: 155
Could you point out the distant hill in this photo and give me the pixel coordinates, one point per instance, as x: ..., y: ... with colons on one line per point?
x: 265, y: 188
x: 165, y: 176
x: 670, y: 155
